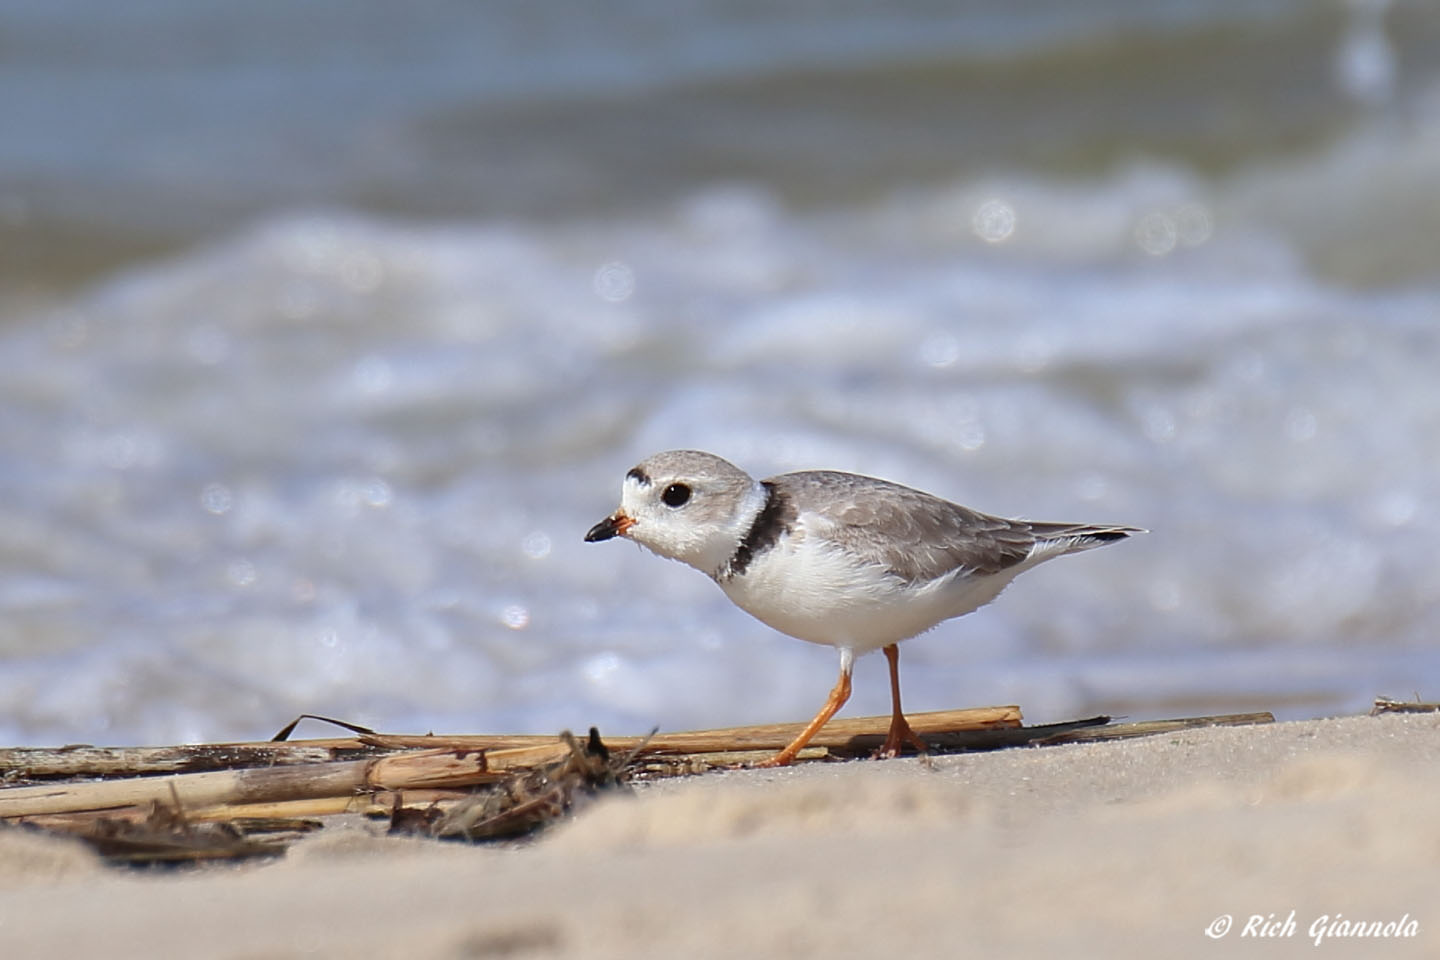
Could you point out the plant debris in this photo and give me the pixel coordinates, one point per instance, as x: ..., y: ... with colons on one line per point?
x: 216, y: 802
x: 527, y: 801
x: 1386, y: 705
x: 165, y: 835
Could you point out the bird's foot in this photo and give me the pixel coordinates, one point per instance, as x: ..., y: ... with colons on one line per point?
x: 779, y: 760
x: 895, y: 741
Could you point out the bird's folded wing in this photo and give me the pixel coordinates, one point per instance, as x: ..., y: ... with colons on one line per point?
x: 915, y: 536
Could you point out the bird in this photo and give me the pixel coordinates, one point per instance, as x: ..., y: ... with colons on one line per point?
x: 849, y: 561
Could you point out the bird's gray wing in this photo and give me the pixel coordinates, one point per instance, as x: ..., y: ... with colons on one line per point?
x: 914, y: 535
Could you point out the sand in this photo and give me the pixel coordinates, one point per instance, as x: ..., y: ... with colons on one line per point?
x: 1103, y: 849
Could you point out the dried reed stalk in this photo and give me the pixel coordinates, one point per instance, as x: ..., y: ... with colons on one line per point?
x: 1147, y: 728
x: 838, y: 734
x: 419, y: 769
x: 1387, y: 705
x: 305, y: 778
x: 43, y: 763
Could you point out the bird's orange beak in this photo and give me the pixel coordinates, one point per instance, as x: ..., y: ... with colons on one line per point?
x: 614, y: 525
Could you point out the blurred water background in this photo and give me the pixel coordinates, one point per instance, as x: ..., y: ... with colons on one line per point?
x: 327, y: 329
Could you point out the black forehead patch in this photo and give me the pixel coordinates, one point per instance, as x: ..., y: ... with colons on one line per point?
x: 639, y: 476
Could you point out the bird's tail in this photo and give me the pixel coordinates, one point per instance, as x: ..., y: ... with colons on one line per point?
x: 1082, y: 536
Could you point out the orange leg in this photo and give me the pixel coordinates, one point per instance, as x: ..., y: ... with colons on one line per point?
x: 900, y: 732
x: 837, y: 699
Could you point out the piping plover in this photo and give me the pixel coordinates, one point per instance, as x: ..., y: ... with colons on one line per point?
x: 852, y: 562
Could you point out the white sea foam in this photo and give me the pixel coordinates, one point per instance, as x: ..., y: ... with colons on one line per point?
x: 342, y: 465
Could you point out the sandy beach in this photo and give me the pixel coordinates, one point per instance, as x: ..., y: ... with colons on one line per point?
x: 1170, y: 846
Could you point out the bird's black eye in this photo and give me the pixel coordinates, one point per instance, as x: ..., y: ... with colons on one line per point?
x: 675, y: 495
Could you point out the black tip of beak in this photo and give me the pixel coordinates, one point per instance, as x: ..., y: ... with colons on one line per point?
x: 603, y: 530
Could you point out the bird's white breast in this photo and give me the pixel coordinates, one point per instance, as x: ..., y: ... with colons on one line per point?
x: 812, y: 589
